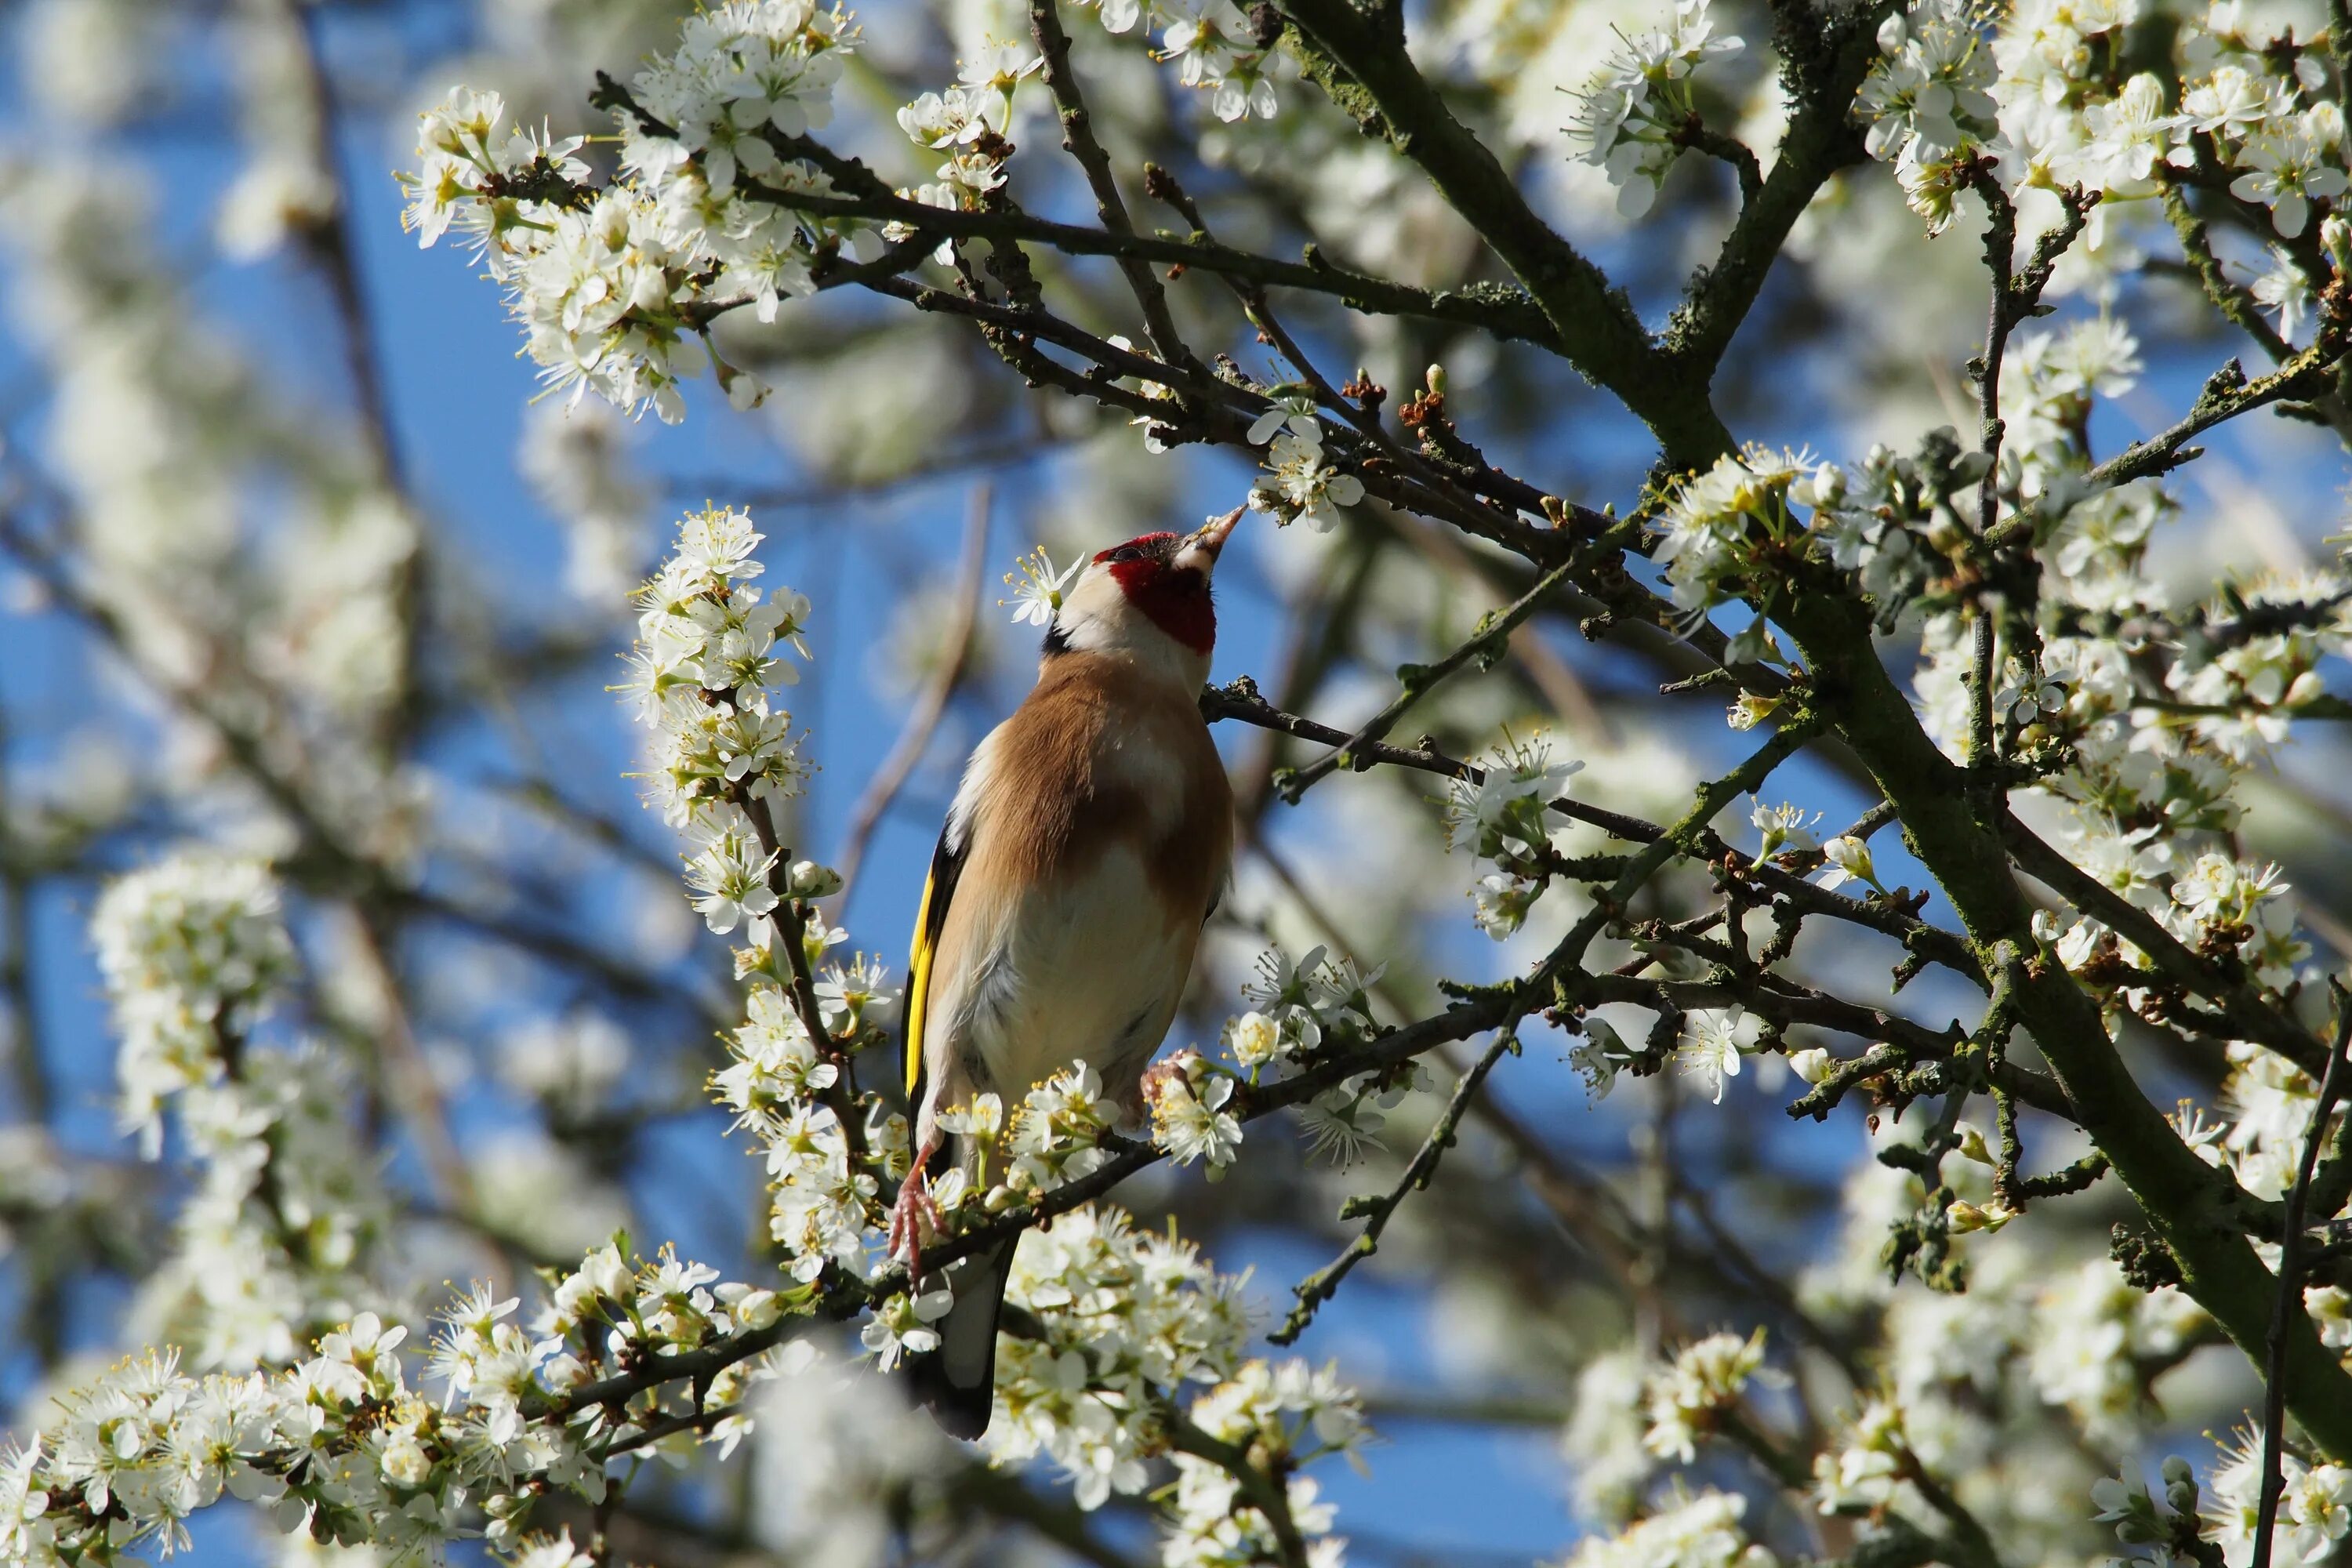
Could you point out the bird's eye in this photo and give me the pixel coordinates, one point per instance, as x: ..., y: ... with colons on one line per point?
x: 1126, y: 552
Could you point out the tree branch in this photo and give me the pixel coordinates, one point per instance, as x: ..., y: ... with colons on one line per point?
x: 1504, y: 312
x: 1324, y: 1283
x: 1360, y: 62
x: 2290, y: 1281
x: 923, y: 721
x: 2202, y: 1222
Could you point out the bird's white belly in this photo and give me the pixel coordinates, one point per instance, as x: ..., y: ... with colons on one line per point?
x: 1088, y: 971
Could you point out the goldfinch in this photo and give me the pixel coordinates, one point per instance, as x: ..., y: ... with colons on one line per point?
x: 1084, y: 851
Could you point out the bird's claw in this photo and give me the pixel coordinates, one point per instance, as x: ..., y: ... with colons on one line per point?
x: 910, y: 1216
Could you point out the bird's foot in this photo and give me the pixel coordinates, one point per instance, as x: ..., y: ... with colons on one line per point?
x: 910, y: 1217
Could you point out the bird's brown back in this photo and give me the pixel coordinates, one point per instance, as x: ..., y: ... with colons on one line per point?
x: 1102, y: 752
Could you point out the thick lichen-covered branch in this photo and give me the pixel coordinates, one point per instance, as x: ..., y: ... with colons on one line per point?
x: 2196, y: 1212
x: 1360, y: 60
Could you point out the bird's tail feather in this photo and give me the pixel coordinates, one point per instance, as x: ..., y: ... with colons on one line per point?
x: 957, y: 1380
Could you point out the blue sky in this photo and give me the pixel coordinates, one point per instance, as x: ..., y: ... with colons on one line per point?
x: 458, y: 393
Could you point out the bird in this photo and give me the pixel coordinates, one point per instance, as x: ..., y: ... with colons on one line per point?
x: 1086, y: 845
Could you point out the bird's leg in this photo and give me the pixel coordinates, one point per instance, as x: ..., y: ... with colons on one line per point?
x: 914, y: 1212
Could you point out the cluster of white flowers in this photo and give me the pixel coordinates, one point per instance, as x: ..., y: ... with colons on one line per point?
x: 1928, y: 97
x: 712, y: 654
x: 344, y: 1449
x: 615, y: 285
x: 274, y: 1244
x: 1300, y: 1013
x: 1126, y: 1321
x: 843, y: 1468
x: 1505, y: 817
x: 1995, y: 1392
x: 1714, y: 523
x: 271, y: 1247
x: 1299, y: 484
x: 2040, y: 89
x: 2314, y: 1513
x: 2237, y: 689
x: 1189, y: 1096
x: 969, y: 122
x: 1057, y: 1131
x: 195, y: 949
x: 612, y: 284
x: 1212, y: 46
x: 1865, y: 1471
x: 1690, y: 1531
x: 1636, y: 118
x: 1128, y: 1318
x: 2269, y: 1104
x: 1603, y: 1439
x: 2092, y: 1333
x: 1685, y: 1397
x: 1285, y: 1417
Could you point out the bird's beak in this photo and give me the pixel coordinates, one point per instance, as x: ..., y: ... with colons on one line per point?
x: 1202, y: 547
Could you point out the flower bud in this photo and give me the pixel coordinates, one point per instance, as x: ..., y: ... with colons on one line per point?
x: 2179, y: 1485
x: 1851, y: 855
x: 1255, y: 1039
x: 1824, y: 486
x: 405, y: 1463
x: 1965, y: 1217
x: 811, y: 880
x: 2335, y: 238
x: 745, y: 391
x: 757, y: 1309
x: 1972, y: 1143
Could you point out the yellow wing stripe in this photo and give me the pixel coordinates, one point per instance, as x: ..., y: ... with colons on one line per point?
x: 918, y: 987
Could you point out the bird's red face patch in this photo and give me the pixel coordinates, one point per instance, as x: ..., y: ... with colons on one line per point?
x: 1177, y: 599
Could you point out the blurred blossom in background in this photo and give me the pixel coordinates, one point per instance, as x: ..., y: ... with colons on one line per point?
x: 318, y: 751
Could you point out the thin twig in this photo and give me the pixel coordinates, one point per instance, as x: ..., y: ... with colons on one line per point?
x: 1240, y: 701
x: 1078, y: 137
x: 789, y: 921
x: 1324, y: 1283
x: 1999, y: 246
x: 2243, y: 1008
x: 412, y: 1076
x: 931, y: 707
x: 1419, y: 680
x: 1507, y: 314
x: 2290, y: 1281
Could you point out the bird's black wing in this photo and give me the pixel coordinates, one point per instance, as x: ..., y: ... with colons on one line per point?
x: 939, y: 889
